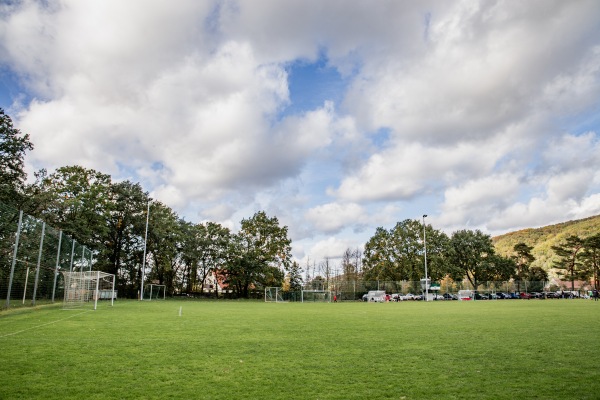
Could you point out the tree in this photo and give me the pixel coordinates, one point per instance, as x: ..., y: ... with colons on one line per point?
x: 13, y: 146
x: 348, y: 267
x: 378, y: 259
x: 398, y: 254
x: 294, y: 277
x: 203, y: 252
x: 437, y: 243
x: 537, y: 278
x: 568, y: 264
x: 123, y: 247
x: 523, y: 259
x: 472, y: 254
x: 165, y: 235
x: 76, y: 200
x: 591, y: 258
x: 326, y: 269
x: 258, y: 254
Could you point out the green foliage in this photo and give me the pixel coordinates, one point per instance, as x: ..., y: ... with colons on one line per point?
x: 258, y: 254
x: 568, y: 264
x: 590, y: 258
x: 472, y: 255
x: 294, y: 277
x: 542, y: 239
x: 76, y: 201
x: 517, y: 349
x: 398, y: 254
x: 204, y: 252
x: 13, y: 146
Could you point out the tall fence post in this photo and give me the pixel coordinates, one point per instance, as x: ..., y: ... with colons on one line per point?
x: 72, y: 256
x: 14, y: 259
x: 57, y: 264
x: 39, y: 262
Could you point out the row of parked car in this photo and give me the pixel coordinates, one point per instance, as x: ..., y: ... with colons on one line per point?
x: 475, y: 296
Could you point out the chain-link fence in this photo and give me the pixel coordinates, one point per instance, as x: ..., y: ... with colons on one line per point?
x: 355, y: 289
x: 32, y: 256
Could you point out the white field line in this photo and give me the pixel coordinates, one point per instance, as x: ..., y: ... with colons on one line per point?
x: 39, y: 326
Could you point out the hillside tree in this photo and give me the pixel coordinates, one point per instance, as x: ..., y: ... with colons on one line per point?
x: 569, y: 265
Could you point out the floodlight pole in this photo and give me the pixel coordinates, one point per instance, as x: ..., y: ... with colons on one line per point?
x: 425, y: 254
x: 144, y: 259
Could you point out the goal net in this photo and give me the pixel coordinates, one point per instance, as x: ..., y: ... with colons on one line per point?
x: 273, y: 295
x: 324, y: 296
x: 84, y: 289
x: 155, y: 292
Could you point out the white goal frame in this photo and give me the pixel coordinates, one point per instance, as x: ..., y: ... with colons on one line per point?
x: 83, y: 288
x: 318, y: 296
x: 273, y: 295
x: 153, y: 291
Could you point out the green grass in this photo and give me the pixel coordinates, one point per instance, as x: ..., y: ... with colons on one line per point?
x: 512, y: 349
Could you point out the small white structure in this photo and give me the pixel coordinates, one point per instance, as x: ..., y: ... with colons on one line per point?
x: 376, y: 295
x: 465, y: 295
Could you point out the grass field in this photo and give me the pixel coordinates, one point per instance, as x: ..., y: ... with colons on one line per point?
x: 511, y: 349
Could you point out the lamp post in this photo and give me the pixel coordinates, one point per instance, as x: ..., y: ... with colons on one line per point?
x: 425, y: 254
x: 144, y: 257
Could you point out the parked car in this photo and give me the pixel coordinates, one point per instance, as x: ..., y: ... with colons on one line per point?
x: 502, y: 295
x: 481, y: 296
x: 450, y: 296
x: 409, y: 296
x: 527, y: 296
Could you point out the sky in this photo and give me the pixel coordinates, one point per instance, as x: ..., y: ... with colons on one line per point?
x: 336, y: 117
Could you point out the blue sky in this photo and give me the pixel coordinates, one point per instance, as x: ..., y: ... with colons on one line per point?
x: 335, y: 118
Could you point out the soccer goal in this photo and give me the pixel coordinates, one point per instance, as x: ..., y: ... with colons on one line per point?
x: 323, y: 296
x: 273, y: 295
x: 155, y: 292
x: 84, y: 289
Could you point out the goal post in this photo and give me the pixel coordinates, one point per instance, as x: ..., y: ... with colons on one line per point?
x: 155, y: 292
x: 86, y: 288
x: 322, y: 296
x: 273, y: 295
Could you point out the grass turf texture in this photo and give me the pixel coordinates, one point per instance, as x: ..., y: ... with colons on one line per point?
x: 538, y: 349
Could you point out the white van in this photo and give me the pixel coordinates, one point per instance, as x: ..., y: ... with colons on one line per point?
x: 376, y: 295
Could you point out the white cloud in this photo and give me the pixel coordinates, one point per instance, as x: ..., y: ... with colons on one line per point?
x: 333, y: 217
x: 490, y: 108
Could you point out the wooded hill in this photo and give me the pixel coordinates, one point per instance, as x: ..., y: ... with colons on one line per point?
x: 542, y: 239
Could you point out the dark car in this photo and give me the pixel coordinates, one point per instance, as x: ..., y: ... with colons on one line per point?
x: 450, y: 296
